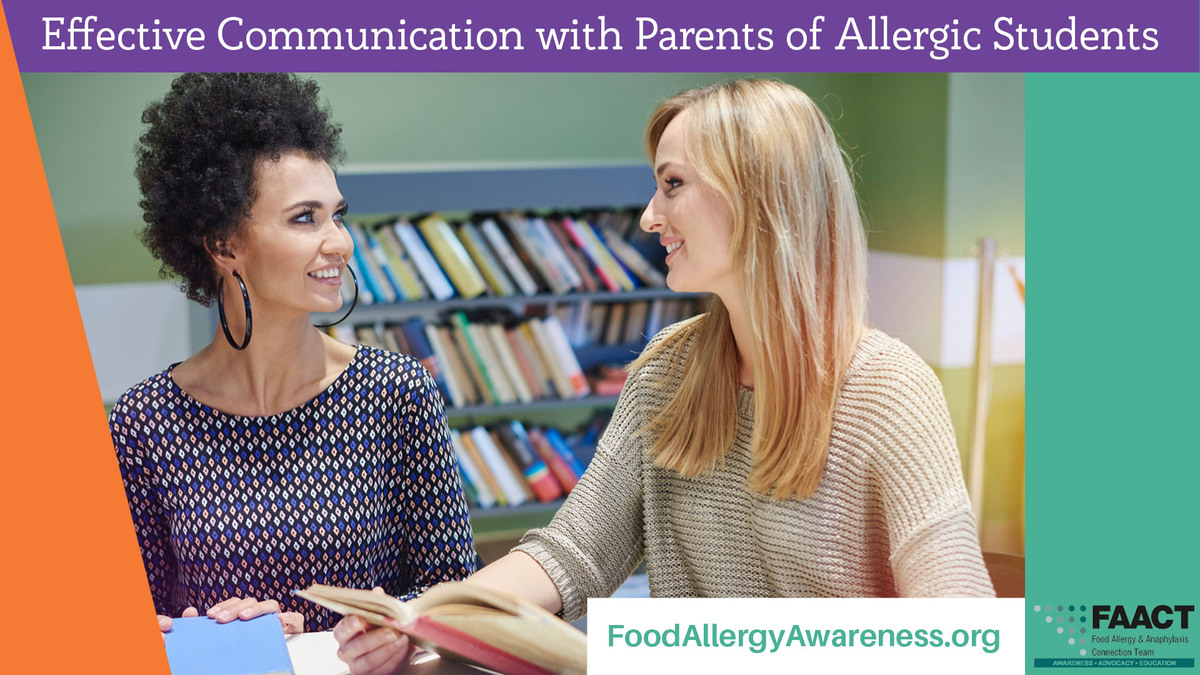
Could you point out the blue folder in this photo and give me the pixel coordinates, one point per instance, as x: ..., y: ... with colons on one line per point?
x: 201, y: 646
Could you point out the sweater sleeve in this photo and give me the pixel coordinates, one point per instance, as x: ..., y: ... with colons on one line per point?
x: 434, y: 521
x: 595, y: 540
x: 150, y: 522
x: 934, y: 547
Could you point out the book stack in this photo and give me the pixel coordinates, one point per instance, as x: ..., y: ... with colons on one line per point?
x: 509, y: 255
x: 509, y: 464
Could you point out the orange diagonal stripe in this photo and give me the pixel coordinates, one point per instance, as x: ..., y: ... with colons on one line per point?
x: 77, y: 598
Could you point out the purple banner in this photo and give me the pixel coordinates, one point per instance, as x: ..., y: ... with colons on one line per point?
x: 611, y: 36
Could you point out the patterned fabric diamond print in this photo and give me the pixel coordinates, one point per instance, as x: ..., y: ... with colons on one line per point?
x: 354, y: 488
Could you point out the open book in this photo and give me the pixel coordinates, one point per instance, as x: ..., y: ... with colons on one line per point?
x: 477, y: 625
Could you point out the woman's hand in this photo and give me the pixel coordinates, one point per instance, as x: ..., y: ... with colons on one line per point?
x: 164, y: 622
x: 248, y: 608
x: 245, y: 609
x: 370, y: 651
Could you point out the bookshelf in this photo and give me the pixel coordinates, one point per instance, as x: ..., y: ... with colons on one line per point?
x: 378, y: 194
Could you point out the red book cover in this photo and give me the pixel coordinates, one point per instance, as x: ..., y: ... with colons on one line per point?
x: 446, y: 641
x: 566, y: 477
x: 516, y: 441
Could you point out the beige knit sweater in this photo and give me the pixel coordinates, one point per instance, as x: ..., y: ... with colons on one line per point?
x: 890, y: 516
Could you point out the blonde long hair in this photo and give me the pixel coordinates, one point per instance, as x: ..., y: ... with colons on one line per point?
x: 800, y: 252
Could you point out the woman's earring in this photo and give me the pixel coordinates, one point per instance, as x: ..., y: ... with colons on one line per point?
x: 221, y: 311
x: 353, y: 303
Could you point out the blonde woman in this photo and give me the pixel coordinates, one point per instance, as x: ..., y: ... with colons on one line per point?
x: 775, y: 445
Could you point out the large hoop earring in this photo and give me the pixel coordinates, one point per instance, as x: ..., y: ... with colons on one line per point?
x: 221, y: 312
x: 353, y: 303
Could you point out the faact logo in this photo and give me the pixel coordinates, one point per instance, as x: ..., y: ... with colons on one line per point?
x: 1161, y: 616
x: 1113, y: 636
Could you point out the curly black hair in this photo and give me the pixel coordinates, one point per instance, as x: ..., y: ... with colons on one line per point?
x: 195, y: 163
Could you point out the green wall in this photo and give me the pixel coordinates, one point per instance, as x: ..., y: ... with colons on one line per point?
x: 87, y: 125
x: 903, y: 164
x: 985, y: 164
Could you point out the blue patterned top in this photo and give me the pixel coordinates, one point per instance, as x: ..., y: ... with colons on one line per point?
x: 358, y: 487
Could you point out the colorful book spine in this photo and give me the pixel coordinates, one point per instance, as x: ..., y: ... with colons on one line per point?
x: 566, y: 478
x: 455, y: 261
x: 485, y: 471
x: 564, y: 450
x: 452, y: 369
x: 365, y: 296
x: 473, y: 353
x: 540, y: 258
x: 630, y: 281
x: 594, y: 255
x: 484, y: 496
x: 491, y: 362
x: 633, y: 259
x: 473, y: 363
x: 368, y: 279
x: 605, y: 255
x: 528, y: 362
x: 545, y: 350
x: 509, y: 257
x: 514, y: 490
x: 371, y: 261
x: 389, y: 279
x: 493, y: 272
x: 405, y: 274
x: 562, y: 352
x: 439, y: 286
x: 508, y: 361
x: 544, y: 485
x: 470, y: 494
x: 420, y: 348
x: 557, y: 255
x: 577, y: 258
x: 512, y: 465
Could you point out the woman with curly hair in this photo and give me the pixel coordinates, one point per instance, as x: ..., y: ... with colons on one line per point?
x: 774, y: 446
x: 275, y: 457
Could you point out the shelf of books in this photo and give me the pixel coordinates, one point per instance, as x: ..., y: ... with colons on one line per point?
x: 525, y: 318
